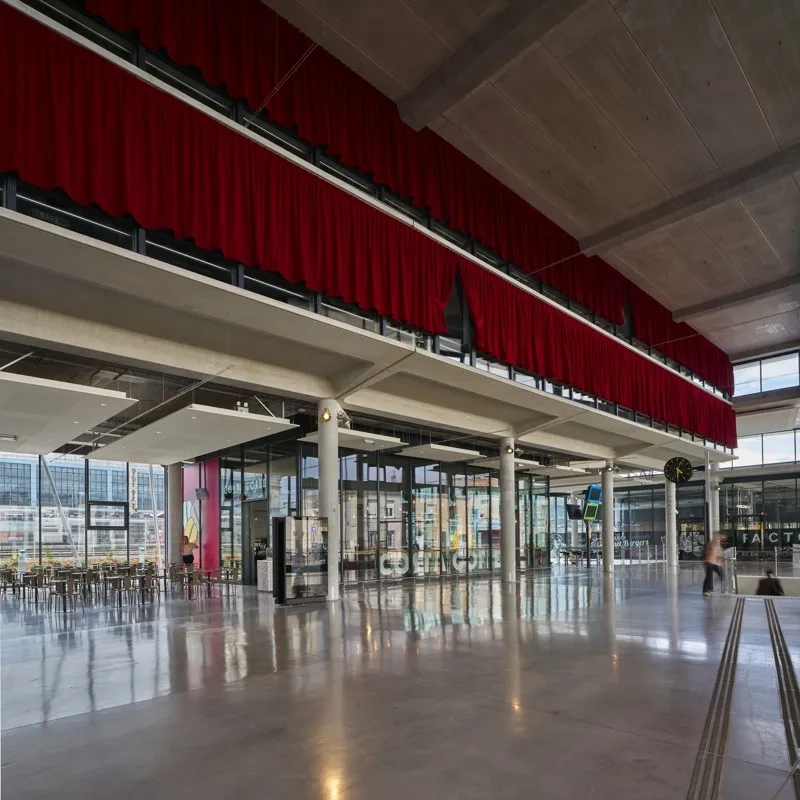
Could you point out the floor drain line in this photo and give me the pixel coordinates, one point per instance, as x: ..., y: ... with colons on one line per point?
x: 708, y: 765
x: 788, y: 690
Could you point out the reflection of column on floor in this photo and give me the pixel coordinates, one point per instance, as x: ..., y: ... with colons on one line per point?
x: 610, y: 615
x: 575, y: 533
x: 507, y: 512
x: 608, y: 517
x: 511, y: 633
x: 672, y: 600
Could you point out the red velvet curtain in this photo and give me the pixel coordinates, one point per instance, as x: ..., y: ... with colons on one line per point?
x: 653, y: 324
x: 72, y: 120
x: 519, y: 328
x: 246, y: 47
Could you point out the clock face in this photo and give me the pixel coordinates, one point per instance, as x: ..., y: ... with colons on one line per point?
x: 678, y: 470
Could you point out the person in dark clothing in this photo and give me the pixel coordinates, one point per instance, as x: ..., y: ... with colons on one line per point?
x: 770, y: 586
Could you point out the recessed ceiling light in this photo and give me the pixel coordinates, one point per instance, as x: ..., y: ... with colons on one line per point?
x: 194, y: 417
x: 104, y: 404
x: 158, y: 432
x: 12, y: 437
x: 369, y: 441
x: 75, y: 422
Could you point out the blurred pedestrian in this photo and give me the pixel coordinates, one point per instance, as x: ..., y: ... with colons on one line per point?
x: 713, y: 559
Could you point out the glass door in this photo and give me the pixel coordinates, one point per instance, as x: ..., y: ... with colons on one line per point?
x: 256, y: 538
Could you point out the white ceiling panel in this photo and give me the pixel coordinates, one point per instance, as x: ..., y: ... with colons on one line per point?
x: 440, y: 453
x: 494, y: 463
x: 44, y: 415
x: 190, y: 432
x: 360, y: 440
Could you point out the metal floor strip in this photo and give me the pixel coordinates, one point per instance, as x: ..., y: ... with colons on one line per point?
x: 788, y: 690
x: 708, y: 765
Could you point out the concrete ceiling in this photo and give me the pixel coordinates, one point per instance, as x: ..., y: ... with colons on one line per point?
x: 661, y: 133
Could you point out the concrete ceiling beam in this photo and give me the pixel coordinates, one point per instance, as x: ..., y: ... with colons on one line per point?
x: 746, y: 179
x: 488, y: 52
x: 736, y: 299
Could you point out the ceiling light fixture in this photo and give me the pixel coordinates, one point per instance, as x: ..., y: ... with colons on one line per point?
x: 369, y: 441
x: 103, y: 404
x: 510, y: 449
x: 326, y: 415
x: 11, y: 437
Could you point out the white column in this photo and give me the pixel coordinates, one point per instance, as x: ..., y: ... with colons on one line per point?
x: 575, y: 533
x: 608, y: 517
x: 671, y: 522
x: 714, y: 497
x: 174, y: 513
x: 328, y: 457
x: 508, y: 514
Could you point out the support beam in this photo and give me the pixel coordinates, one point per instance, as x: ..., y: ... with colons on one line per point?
x: 671, y: 523
x: 712, y: 194
x: 508, y: 513
x: 736, y: 299
x: 174, y: 513
x: 488, y: 52
x: 607, y: 510
x: 328, y: 459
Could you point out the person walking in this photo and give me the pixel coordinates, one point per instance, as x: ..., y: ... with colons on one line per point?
x: 187, y: 551
x: 713, y: 559
x: 770, y: 586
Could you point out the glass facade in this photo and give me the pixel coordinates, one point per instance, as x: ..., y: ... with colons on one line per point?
x: 400, y: 517
x: 64, y: 509
x: 764, y: 449
x: 766, y: 374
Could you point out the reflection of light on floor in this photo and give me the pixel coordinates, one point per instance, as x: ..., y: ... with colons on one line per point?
x: 332, y: 787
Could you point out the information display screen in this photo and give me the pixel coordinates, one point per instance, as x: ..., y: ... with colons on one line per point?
x: 590, y: 511
x: 594, y: 494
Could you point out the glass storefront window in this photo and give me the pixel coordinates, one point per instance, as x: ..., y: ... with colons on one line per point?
x: 426, y: 520
x: 147, y: 535
x: 19, y: 513
x: 454, y: 520
x: 63, y: 537
x: 479, y: 557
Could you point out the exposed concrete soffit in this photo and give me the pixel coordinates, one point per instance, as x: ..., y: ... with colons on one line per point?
x: 527, y: 428
x: 488, y: 52
x: 736, y: 299
x: 741, y: 181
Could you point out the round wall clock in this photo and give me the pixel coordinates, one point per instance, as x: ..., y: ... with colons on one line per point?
x: 678, y: 470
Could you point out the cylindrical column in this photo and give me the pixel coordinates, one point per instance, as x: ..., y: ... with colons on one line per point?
x: 671, y: 522
x: 508, y: 515
x: 714, y: 497
x: 608, y: 517
x: 328, y: 459
x: 174, y: 513
x: 575, y: 533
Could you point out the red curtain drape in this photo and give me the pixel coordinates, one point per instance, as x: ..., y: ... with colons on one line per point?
x: 519, y: 328
x: 653, y: 324
x: 246, y: 47
x: 74, y: 121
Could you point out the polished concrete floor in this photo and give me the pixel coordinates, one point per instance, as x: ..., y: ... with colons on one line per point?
x: 565, y: 687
